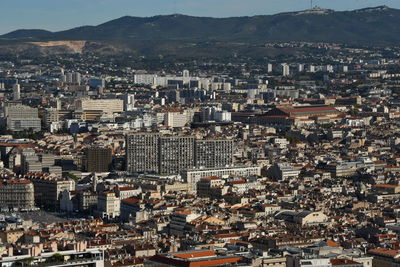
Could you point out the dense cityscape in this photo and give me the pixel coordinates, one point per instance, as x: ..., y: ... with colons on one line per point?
x: 286, y: 160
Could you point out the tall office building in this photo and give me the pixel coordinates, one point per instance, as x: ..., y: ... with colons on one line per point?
x: 16, y: 91
x: 142, y: 152
x: 98, y: 159
x: 213, y: 153
x: 176, y: 154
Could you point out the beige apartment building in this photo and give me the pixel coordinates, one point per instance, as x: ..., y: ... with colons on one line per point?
x: 105, y: 105
x: 17, y: 194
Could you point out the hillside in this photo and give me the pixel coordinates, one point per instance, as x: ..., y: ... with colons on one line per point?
x: 371, y: 25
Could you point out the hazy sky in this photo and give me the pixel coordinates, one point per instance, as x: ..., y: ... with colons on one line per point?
x: 64, y: 14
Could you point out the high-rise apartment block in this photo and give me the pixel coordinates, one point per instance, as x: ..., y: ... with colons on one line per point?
x: 73, y: 78
x: 150, y: 152
x: 142, y: 152
x: 285, y: 69
x: 213, y: 153
x: 176, y: 153
x: 98, y: 159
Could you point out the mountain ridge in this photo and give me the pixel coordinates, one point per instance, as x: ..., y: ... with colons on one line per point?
x: 376, y: 25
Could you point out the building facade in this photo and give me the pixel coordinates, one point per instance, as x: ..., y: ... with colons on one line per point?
x: 48, y: 190
x: 105, y: 105
x: 20, y: 118
x: 213, y: 153
x: 176, y: 154
x: 194, y: 175
x: 142, y: 152
x: 17, y: 194
x: 98, y: 159
x: 108, y: 205
x: 150, y: 152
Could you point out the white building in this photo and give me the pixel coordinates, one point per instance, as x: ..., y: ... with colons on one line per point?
x: 329, y: 68
x: 179, y: 219
x: 285, y: 69
x: 282, y: 171
x: 146, y: 79
x: 108, y: 205
x: 177, y: 119
x: 222, y: 115
x: 106, y: 105
x: 269, y: 68
x: 193, y: 176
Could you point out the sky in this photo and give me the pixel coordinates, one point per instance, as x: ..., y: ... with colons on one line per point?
x: 57, y: 15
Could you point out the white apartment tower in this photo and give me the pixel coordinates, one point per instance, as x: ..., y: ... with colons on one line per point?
x: 285, y: 69
x: 269, y: 68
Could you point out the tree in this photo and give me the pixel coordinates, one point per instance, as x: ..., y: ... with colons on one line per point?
x: 57, y: 257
